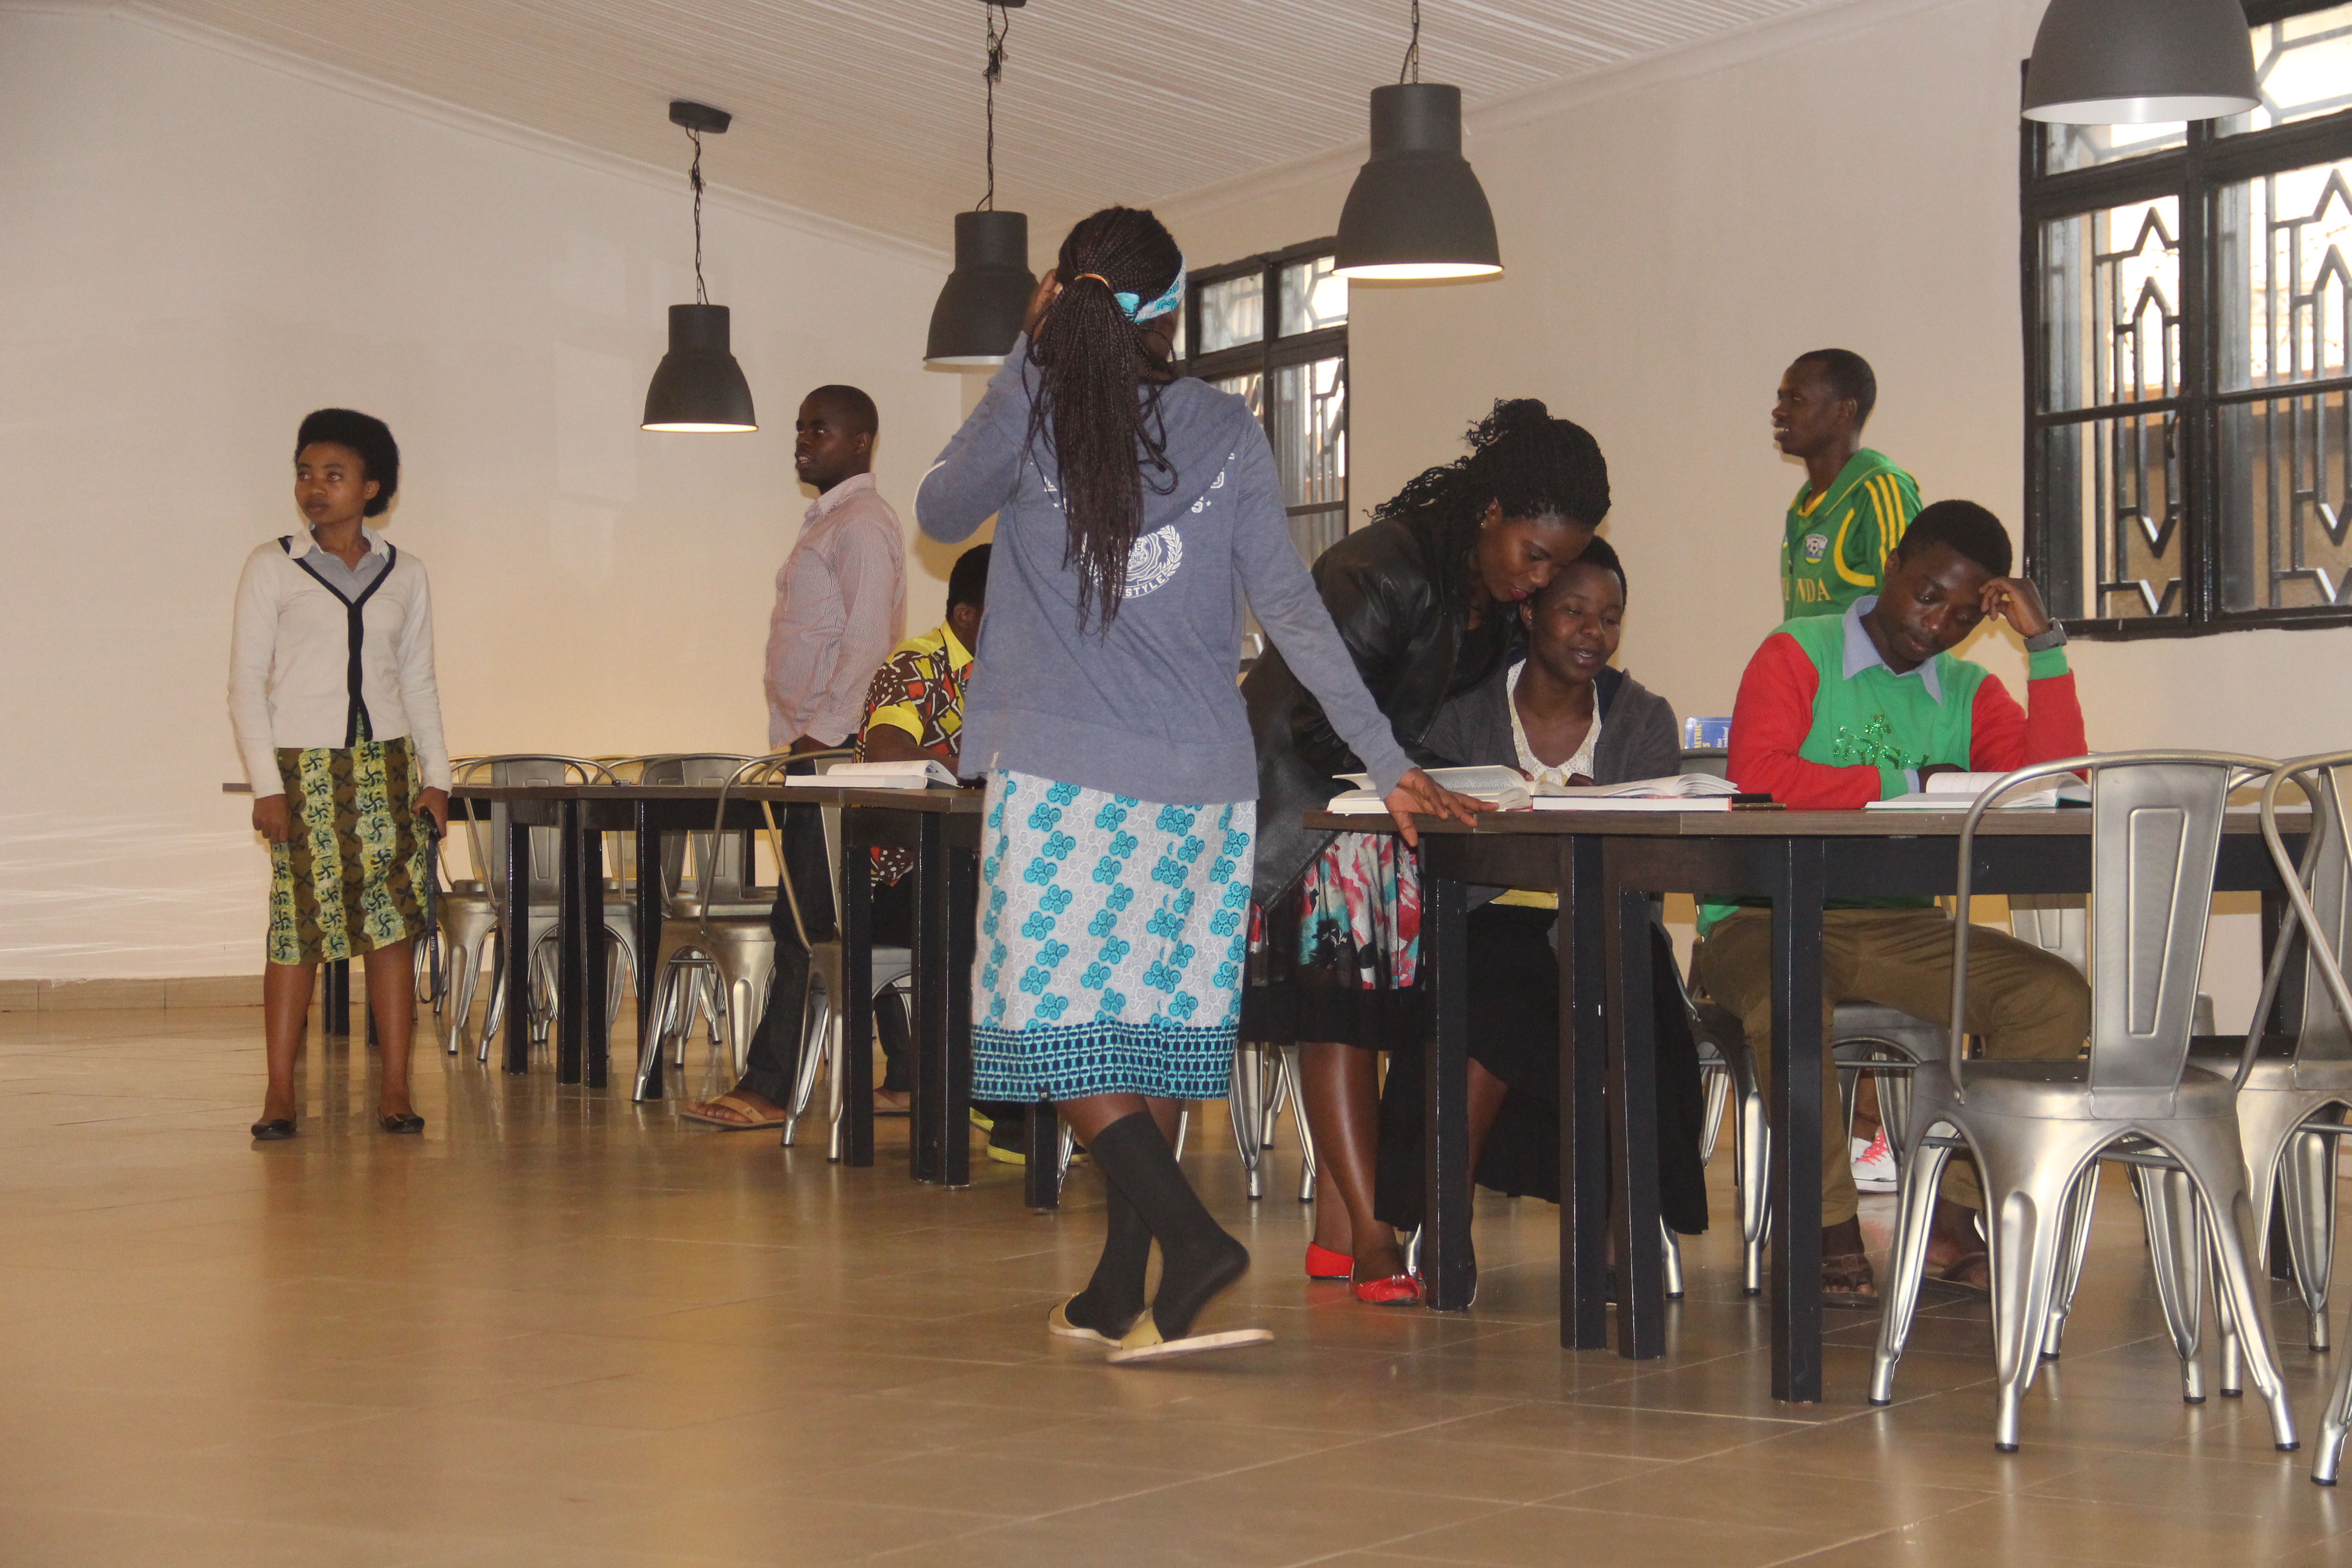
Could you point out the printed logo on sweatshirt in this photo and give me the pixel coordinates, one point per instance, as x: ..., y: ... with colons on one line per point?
x: 1816, y: 547
x: 1152, y: 560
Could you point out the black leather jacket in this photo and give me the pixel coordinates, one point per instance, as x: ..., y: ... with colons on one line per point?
x: 1377, y: 584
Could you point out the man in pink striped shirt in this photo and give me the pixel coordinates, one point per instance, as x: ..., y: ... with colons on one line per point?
x: 841, y: 608
x: 841, y: 597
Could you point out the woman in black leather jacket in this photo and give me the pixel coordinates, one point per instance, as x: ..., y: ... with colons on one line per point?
x: 1425, y: 598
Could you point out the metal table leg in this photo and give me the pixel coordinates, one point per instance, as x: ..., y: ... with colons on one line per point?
x: 649, y: 933
x: 1449, y: 1269
x: 597, y: 1002
x: 927, y: 1152
x: 516, y: 919
x: 856, y: 1087
x: 1632, y: 1086
x: 955, y: 1079
x: 1794, y: 1106
x: 1583, y: 1105
x: 570, y: 945
x: 335, y: 997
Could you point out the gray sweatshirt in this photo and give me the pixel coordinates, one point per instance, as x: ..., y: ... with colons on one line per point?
x: 1147, y: 708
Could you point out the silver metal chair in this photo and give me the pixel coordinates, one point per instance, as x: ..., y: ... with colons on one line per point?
x: 2290, y: 1107
x: 1265, y: 1079
x: 687, y: 987
x: 1864, y: 1039
x: 824, y: 1031
x: 714, y: 920
x: 2057, y: 923
x: 545, y: 856
x: 2035, y: 1127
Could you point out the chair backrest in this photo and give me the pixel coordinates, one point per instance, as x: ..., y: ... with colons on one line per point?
x: 546, y: 844
x: 2315, y: 891
x: 700, y: 869
x: 2155, y: 832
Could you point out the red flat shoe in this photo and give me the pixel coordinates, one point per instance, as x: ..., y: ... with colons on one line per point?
x: 1322, y: 1263
x: 1397, y: 1290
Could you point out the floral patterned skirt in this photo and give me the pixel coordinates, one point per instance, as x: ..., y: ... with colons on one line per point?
x: 1112, y: 935
x: 351, y: 879
x: 1339, y: 958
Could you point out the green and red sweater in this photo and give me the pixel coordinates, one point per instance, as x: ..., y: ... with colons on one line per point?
x: 1823, y: 724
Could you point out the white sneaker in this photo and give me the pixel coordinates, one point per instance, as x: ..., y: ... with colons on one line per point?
x: 1874, y: 1164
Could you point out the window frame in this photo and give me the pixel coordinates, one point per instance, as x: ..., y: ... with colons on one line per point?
x: 1272, y: 352
x: 2196, y: 173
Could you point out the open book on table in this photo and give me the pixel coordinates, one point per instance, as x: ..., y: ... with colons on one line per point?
x: 1503, y: 786
x: 1958, y: 792
x: 880, y: 775
x: 1676, y: 792
x: 1510, y: 792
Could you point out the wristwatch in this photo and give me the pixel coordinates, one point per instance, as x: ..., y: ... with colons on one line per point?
x: 2055, y: 637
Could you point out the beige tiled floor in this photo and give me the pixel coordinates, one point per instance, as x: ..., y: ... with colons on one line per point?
x: 564, y: 1329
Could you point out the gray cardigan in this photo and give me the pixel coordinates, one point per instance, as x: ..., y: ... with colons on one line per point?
x: 1639, y: 736
x: 1146, y: 707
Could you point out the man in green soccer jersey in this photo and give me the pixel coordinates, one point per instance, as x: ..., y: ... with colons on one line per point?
x: 1854, y: 504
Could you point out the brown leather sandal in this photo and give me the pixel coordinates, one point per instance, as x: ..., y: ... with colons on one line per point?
x: 1846, y: 1281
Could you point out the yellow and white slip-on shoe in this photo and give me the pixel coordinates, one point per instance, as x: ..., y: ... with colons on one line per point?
x: 1057, y: 1321
x: 1143, y: 1342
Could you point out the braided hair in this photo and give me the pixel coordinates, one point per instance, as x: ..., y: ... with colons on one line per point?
x: 1521, y: 459
x: 1095, y: 409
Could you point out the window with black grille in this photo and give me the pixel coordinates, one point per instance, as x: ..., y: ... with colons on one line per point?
x: 1273, y: 329
x: 2188, y: 398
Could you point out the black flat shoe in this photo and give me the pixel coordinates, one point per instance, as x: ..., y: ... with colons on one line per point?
x: 411, y: 1122
x: 274, y: 1130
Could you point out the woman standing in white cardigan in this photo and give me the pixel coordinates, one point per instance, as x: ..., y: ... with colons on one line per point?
x: 338, y: 721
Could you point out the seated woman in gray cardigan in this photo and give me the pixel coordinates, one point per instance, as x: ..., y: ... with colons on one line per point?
x: 1562, y: 716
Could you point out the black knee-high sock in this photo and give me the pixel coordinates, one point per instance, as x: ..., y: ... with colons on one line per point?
x: 1197, y: 1258
x: 1113, y: 1298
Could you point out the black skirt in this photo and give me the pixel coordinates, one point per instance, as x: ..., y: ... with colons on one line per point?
x: 1515, y: 1034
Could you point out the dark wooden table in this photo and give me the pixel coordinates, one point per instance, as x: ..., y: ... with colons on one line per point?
x: 941, y: 826
x: 1605, y: 866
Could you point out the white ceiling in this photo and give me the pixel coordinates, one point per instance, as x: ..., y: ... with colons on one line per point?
x: 868, y: 112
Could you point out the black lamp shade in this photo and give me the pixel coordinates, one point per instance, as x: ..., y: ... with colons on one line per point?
x: 2137, y: 62
x: 697, y: 386
x: 1416, y: 210
x: 980, y: 307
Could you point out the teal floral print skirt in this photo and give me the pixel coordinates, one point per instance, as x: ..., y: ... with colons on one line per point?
x: 1112, y: 936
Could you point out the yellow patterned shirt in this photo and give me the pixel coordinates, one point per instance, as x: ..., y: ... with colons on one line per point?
x: 919, y: 691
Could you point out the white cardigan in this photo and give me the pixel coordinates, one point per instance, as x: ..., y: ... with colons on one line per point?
x: 289, y: 661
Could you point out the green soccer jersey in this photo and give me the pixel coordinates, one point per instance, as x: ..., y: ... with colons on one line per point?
x: 1836, y: 547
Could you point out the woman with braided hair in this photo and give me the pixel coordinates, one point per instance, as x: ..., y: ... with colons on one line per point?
x: 1133, y: 511
x: 1427, y: 597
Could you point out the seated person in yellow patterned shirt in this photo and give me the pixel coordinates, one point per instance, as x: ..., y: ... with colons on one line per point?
x: 914, y: 710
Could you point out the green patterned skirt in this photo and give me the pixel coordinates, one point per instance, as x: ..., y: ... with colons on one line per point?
x: 352, y: 877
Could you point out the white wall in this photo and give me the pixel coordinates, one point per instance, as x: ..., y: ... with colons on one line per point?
x: 197, y: 249
x: 1673, y: 236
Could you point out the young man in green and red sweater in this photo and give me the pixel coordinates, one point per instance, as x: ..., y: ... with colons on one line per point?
x: 1835, y: 712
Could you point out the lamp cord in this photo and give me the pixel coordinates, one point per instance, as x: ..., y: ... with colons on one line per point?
x: 1000, y: 27
x: 1412, y: 67
x: 694, y: 176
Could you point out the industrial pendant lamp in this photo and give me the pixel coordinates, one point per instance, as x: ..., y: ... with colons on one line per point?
x: 1416, y: 210
x: 699, y: 386
x: 2138, y: 62
x: 979, y: 308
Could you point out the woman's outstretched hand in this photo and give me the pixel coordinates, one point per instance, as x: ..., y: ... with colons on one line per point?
x: 1418, y: 793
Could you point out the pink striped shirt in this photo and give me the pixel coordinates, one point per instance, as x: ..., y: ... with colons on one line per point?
x: 841, y: 608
